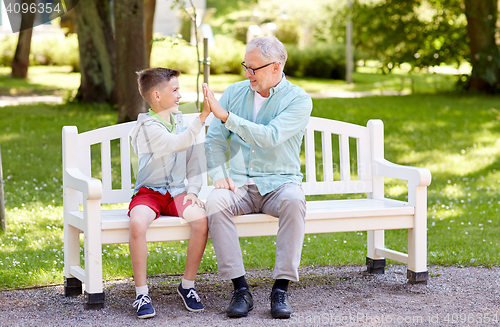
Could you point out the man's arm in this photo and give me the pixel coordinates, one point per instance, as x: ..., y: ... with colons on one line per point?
x: 216, y: 145
x: 291, y: 120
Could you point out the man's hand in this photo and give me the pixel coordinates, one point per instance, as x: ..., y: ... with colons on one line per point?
x: 226, y: 183
x: 216, y: 108
x: 194, y: 200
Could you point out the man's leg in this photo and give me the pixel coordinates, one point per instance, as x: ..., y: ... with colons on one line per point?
x: 289, y: 205
x: 222, y: 205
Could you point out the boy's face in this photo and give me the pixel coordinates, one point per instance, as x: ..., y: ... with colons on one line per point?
x: 166, y: 96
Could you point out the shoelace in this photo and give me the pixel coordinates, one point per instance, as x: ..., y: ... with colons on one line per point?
x: 279, y: 297
x: 192, y: 293
x: 239, y: 297
x: 142, y: 301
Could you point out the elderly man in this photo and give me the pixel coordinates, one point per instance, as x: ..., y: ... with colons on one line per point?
x: 265, y: 118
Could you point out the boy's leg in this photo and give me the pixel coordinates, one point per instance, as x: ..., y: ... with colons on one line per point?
x: 198, y: 221
x: 141, y: 217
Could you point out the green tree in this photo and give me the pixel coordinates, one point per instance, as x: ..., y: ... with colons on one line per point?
x: 20, y: 62
x: 97, y: 52
x: 130, y: 56
x: 420, y: 32
x: 484, y: 53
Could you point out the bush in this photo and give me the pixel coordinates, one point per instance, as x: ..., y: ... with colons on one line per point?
x: 175, y: 54
x: 321, y: 60
x: 45, y: 50
x: 58, y: 51
x: 7, y: 49
x: 226, y: 56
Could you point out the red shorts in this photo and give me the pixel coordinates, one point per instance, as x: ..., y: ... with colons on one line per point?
x: 162, y: 205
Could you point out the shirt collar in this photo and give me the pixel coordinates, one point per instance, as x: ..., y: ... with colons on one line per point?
x: 280, y: 85
x: 170, y: 126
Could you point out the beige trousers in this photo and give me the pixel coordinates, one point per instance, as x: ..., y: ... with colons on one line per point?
x: 287, y: 203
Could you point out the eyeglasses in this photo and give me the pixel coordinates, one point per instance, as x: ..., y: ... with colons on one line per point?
x: 252, y: 70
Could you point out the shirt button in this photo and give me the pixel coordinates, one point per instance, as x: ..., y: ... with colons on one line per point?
x: 251, y: 168
x: 253, y: 151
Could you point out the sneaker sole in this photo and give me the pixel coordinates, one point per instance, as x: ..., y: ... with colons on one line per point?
x: 185, y: 304
x: 151, y: 315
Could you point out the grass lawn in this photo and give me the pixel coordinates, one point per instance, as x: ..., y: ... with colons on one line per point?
x: 456, y: 137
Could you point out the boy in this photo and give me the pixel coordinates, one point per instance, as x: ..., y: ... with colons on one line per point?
x: 164, y: 144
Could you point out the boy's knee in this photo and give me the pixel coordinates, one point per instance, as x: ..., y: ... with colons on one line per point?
x: 192, y: 214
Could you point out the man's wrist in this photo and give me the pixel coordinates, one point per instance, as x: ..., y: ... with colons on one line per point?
x: 227, y: 116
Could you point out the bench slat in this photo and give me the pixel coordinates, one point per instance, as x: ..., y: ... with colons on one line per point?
x: 316, y: 210
x: 106, y: 165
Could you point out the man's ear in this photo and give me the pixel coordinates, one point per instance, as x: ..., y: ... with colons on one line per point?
x: 276, y: 67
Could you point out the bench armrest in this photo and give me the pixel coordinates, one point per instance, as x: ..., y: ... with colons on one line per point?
x: 414, y: 175
x: 90, y: 187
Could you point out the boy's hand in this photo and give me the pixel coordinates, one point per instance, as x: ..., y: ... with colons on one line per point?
x: 216, y: 108
x: 194, y: 200
x: 206, y: 105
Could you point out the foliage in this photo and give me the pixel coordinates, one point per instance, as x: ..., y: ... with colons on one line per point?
x: 456, y: 137
x: 226, y: 56
x: 45, y: 50
x: 321, y: 60
x: 419, y: 32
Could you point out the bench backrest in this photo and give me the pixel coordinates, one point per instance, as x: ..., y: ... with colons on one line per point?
x: 331, y: 167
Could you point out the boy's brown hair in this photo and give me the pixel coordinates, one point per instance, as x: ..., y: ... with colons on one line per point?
x: 149, y: 78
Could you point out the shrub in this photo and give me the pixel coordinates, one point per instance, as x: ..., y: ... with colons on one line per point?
x: 176, y: 54
x: 7, y: 49
x: 59, y: 51
x: 226, y: 56
x: 321, y: 60
x: 45, y: 50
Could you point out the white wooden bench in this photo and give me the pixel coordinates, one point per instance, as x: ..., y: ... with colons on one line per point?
x: 83, y: 196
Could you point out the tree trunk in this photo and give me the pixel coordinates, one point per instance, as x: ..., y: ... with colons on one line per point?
x: 485, y: 59
x: 97, y: 52
x: 130, y: 57
x: 21, y: 60
x: 149, y: 14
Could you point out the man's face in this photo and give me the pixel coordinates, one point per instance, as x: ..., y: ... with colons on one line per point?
x: 264, y: 78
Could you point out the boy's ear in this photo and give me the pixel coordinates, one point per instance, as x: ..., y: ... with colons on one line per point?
x: 155, y: 95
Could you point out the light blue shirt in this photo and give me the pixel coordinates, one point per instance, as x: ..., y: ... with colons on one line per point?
x: 266, y: 151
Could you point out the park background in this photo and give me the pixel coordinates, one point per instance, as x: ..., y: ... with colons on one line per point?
x: 438, y: 61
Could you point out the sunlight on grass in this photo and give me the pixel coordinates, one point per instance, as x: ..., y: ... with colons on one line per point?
x: 456, y: 137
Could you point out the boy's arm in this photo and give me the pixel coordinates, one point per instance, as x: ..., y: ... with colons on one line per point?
x: 153, y: 138
x: 193, y: 169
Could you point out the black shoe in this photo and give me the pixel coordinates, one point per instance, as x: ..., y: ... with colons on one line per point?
x: 241, y: 303
x: 279, y: 304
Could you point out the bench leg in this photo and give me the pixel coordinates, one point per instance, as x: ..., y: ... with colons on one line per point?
x: 375, y: 264
x: 72, y: 287
x: 417, y: 238
x: 417, y: 277
x: 94, y: 301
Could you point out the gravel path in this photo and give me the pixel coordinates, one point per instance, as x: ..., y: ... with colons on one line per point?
x: 335, y: 296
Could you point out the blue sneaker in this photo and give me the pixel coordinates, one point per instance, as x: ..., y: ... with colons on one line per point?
x: 191, y: 299
x: 144, y: 307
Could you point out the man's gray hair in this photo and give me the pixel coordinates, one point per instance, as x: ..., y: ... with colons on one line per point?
x: 271, y: 49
